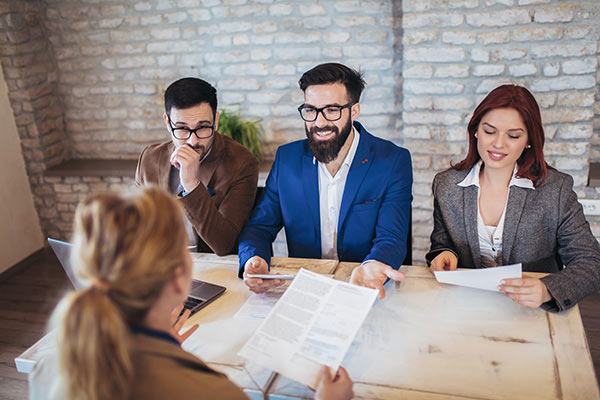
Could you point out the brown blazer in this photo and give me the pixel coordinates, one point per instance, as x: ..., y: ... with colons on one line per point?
x: 229, y: 170
x: 164, y: 370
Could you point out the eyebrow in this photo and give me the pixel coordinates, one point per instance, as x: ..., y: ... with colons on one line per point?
x: 510, y: 130
x: 203, y: 122
x: 325, y: 106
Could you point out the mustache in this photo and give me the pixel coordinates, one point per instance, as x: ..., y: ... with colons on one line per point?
x: 197, y: 147
x: 316, y: 129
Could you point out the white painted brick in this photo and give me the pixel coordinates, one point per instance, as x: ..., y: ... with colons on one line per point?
x: 418, y: 37
x: 551, y: 69
x: 418, y: 102
x: 305, y: 37
x: 455, y: 133
x: 265, y: 97
x: 226, y: 57
x: 432, y: 148
x: 199, y: 15
x: 458, y: 37
x: 576, y: 99
x: 487, y: 85
x: 431, y: 19
x: 142, y: 6
x: 508, y: 54
x: 219, y: 12
x: 232, y: 97
x: 241, y: 39
x: 175, y: 18
x: 367, y: 64
x: 513, y: 16
x: 488, y: 70
x: 110, y: 23
x: 375, y: 107
x: 569, y: 163
x: 453, y: 103
x: 562, y: 13
x: 231, y: 27
x: 135, y: 62
x: 434, y: 54
x: 165, y: 61
x: 366, y: 51
x: 582, y: 66
x: 375, y: 92
x: 480, y: 55
x: 503, y: 2
x: 544, y: 33
x: 317, y: 23
x: 578, y: 32
x: 418, y: 71
x: 494, y: 37
x: 336, y: 37
x: 354, y: 21
x: 568, y: 131
x: 239, y: 84
x: 311, y: 9
x: 562, y: 115
x: 522, y: 70
x: 433, y: 87
x: 417, y: 132
x: 222, y: 40
x: 265, y: 27
x: 129, y: 35
x: 564, y: 50
x: 545, y: 100
x: 281, y: 9
x: 531, y: 2
x: 196, y: 59
x: 255, y: 10
x: 246, y: 69
x: 452, y: 71
x: 165, y: 33
x: 550, y: 131
x: 261, y: 54
x: 277, y: 84
x: 563, y: 83
x: 372, y: 36
x: 296, y: 53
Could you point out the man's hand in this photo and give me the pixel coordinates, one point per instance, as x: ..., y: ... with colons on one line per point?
x: 529, y: 292
x: 256, y: 265
x: 339, y: 388
x: 445, y: 261
x: 177, y: 324
x: 372, y: 274
x: 187, y: 160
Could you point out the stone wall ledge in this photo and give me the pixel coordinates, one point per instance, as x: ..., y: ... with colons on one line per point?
x: 94, y: 167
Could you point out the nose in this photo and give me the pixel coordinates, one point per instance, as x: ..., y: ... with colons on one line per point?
x: 498, y: 141
x: 193, y: 140
x: 321, y: 120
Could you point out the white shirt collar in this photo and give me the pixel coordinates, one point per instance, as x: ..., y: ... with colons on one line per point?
x: 351, y: 152
x: 472, y: 178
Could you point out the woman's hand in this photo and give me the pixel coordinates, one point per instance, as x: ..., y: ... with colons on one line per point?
x: 445, y: 261
x: 177, y: 324
x: 529, y: 292
x: 339, y: 388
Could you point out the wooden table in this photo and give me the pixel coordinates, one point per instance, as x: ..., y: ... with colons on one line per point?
x: 423, y: 341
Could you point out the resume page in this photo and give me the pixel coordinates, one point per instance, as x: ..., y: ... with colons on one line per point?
x: 313, y: 323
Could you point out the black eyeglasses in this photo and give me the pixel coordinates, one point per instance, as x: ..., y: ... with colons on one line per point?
x: 202, y: 132
x: 331, y: 113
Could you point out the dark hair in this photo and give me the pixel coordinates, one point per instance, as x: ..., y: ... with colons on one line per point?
x: 189, y: 92
x: 335, y: 73
x: 531, y: 164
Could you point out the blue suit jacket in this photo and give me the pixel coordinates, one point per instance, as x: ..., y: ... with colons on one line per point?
x: 374, y: 213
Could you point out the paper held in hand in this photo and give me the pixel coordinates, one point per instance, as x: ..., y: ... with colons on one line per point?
x: 481, y: 278
x: 313, y: 323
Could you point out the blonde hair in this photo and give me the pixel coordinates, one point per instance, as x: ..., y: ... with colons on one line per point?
x: 128, y: 247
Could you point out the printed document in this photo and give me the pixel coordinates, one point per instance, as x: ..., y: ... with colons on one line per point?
x: 313, y: 323
x: 481, y: 278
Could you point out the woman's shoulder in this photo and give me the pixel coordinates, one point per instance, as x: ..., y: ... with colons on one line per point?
x: 450, y: 176
x: 554, y: 179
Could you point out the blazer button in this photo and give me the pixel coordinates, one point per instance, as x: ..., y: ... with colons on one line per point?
x: 567, y: 302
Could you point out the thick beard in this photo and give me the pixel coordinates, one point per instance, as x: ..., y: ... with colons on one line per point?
x: 328, y: 151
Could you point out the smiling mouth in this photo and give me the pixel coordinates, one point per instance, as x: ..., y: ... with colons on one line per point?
x: 496, y: 156
x: 320, y: 135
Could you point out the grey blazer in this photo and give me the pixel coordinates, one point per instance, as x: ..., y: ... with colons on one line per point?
x: 544, y: 229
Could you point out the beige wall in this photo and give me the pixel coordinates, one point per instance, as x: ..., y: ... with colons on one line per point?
x: 20, y: 233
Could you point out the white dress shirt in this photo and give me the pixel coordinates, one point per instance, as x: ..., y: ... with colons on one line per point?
x: 490, y: 237
x: 331, y: 190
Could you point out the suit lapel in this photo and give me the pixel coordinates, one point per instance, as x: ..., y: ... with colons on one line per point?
x: 208, y: 166
x: 363, y: 159
x: 514, y: 209
x: 470, y: 214
x: 164, y: 168
x: 310, y: 181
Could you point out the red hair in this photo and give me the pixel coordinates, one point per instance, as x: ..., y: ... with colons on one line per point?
x: 531, y: 164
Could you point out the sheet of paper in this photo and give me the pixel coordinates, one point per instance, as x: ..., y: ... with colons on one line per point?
x: 259, y: 305
x: 313, y: 323
x: 481, y: 278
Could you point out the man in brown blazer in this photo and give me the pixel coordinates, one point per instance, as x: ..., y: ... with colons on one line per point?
x: 213, y: 176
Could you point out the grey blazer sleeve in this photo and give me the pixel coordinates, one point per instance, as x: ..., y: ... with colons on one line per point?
x: 579, y: 252
x: 440, y: 239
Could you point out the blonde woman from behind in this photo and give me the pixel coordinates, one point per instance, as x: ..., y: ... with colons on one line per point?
x: 117, y: 338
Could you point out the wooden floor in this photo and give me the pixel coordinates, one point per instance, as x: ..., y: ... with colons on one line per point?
x: 30, y: 290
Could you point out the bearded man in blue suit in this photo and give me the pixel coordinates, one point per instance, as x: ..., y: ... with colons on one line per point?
x: 340, y: 194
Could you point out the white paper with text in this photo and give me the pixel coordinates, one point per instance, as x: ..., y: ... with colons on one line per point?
x: 313, y: 323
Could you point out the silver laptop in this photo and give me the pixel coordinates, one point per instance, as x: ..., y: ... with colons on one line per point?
x: 201, y: 294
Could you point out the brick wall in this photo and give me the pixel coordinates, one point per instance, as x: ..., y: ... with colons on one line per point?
x: 86, y: 78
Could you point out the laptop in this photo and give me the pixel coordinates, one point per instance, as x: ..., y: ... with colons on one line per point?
x: 201, y: 294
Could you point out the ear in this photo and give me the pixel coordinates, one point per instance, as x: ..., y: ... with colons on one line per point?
x: 354, y: 111
x: 179, y: 281
x: 216, y: 124
x: 166, y: 118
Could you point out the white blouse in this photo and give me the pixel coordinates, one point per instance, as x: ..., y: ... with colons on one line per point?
x: 490, y: 237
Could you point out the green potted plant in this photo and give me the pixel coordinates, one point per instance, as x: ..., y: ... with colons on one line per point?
x: 245, y: 131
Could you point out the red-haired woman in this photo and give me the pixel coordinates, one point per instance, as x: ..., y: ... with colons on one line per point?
x: 503, y: 205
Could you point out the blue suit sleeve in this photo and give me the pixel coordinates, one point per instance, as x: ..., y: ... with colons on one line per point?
x: 264, y: 224
x: 389, y: 244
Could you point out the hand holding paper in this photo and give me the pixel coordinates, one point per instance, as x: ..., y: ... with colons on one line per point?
x: 529, y: 292
x: 482, y: 278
